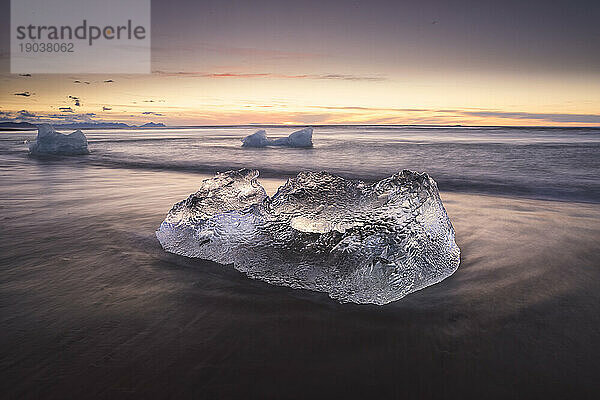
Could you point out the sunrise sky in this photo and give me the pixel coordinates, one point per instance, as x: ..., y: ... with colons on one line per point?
x: 340, y: 62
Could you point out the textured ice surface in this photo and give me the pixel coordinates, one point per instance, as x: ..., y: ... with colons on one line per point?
x: 362, y: 243
x: 257, y: 139
x: 301, y: 138
x: 48, y: 141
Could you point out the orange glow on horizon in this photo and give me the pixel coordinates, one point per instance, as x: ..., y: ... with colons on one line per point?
x: 223, y: 98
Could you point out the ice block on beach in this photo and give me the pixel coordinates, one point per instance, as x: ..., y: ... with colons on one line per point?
x: 49, y: 141
x: 257, y: 139
x: 358, y: 242
x: 301, y: 138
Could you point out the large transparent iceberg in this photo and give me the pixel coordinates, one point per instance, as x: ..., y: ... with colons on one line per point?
x: 49, y: 141
x: 301, y: 138
x: 361, y: 243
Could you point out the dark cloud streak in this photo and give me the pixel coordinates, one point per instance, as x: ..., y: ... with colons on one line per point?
x: 549, y: 117
x: 343, y: 77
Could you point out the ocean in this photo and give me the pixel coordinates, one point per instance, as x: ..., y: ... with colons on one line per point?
x: 549, y: 163
x: 92, y: 307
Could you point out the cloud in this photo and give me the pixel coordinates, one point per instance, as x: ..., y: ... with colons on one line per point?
x: 356, y: 108
x: 548, y: 117
x: 24, y: 94
x: 213, y: 74
x: 152, y: 113
x: 66, y: 115
x: 457, y: 113
x: 76, y: 100
x: 347, y: 77
x: 77, y: 81
x: 343, y: 77
x: 26, y: 114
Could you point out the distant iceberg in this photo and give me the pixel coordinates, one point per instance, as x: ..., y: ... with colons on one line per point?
x: 362, y: 243
x: 301, y: 138
x: 257, y: 139
x: 49, y: 141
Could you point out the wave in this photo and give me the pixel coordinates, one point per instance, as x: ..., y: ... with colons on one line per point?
x: 577, y: 192
x: 548, y: 163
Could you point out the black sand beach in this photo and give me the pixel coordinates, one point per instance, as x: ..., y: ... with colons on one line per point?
x: 112, y: 112
x: 92, y: 307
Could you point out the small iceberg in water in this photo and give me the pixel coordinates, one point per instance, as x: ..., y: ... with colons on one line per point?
x: 301, y: 138
x: 362, y: 243
x: 51, y: 142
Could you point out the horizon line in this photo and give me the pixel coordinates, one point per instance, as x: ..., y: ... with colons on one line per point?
x: 91, y: 124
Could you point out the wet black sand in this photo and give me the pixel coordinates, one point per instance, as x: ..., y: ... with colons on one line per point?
x: 91, y: 307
